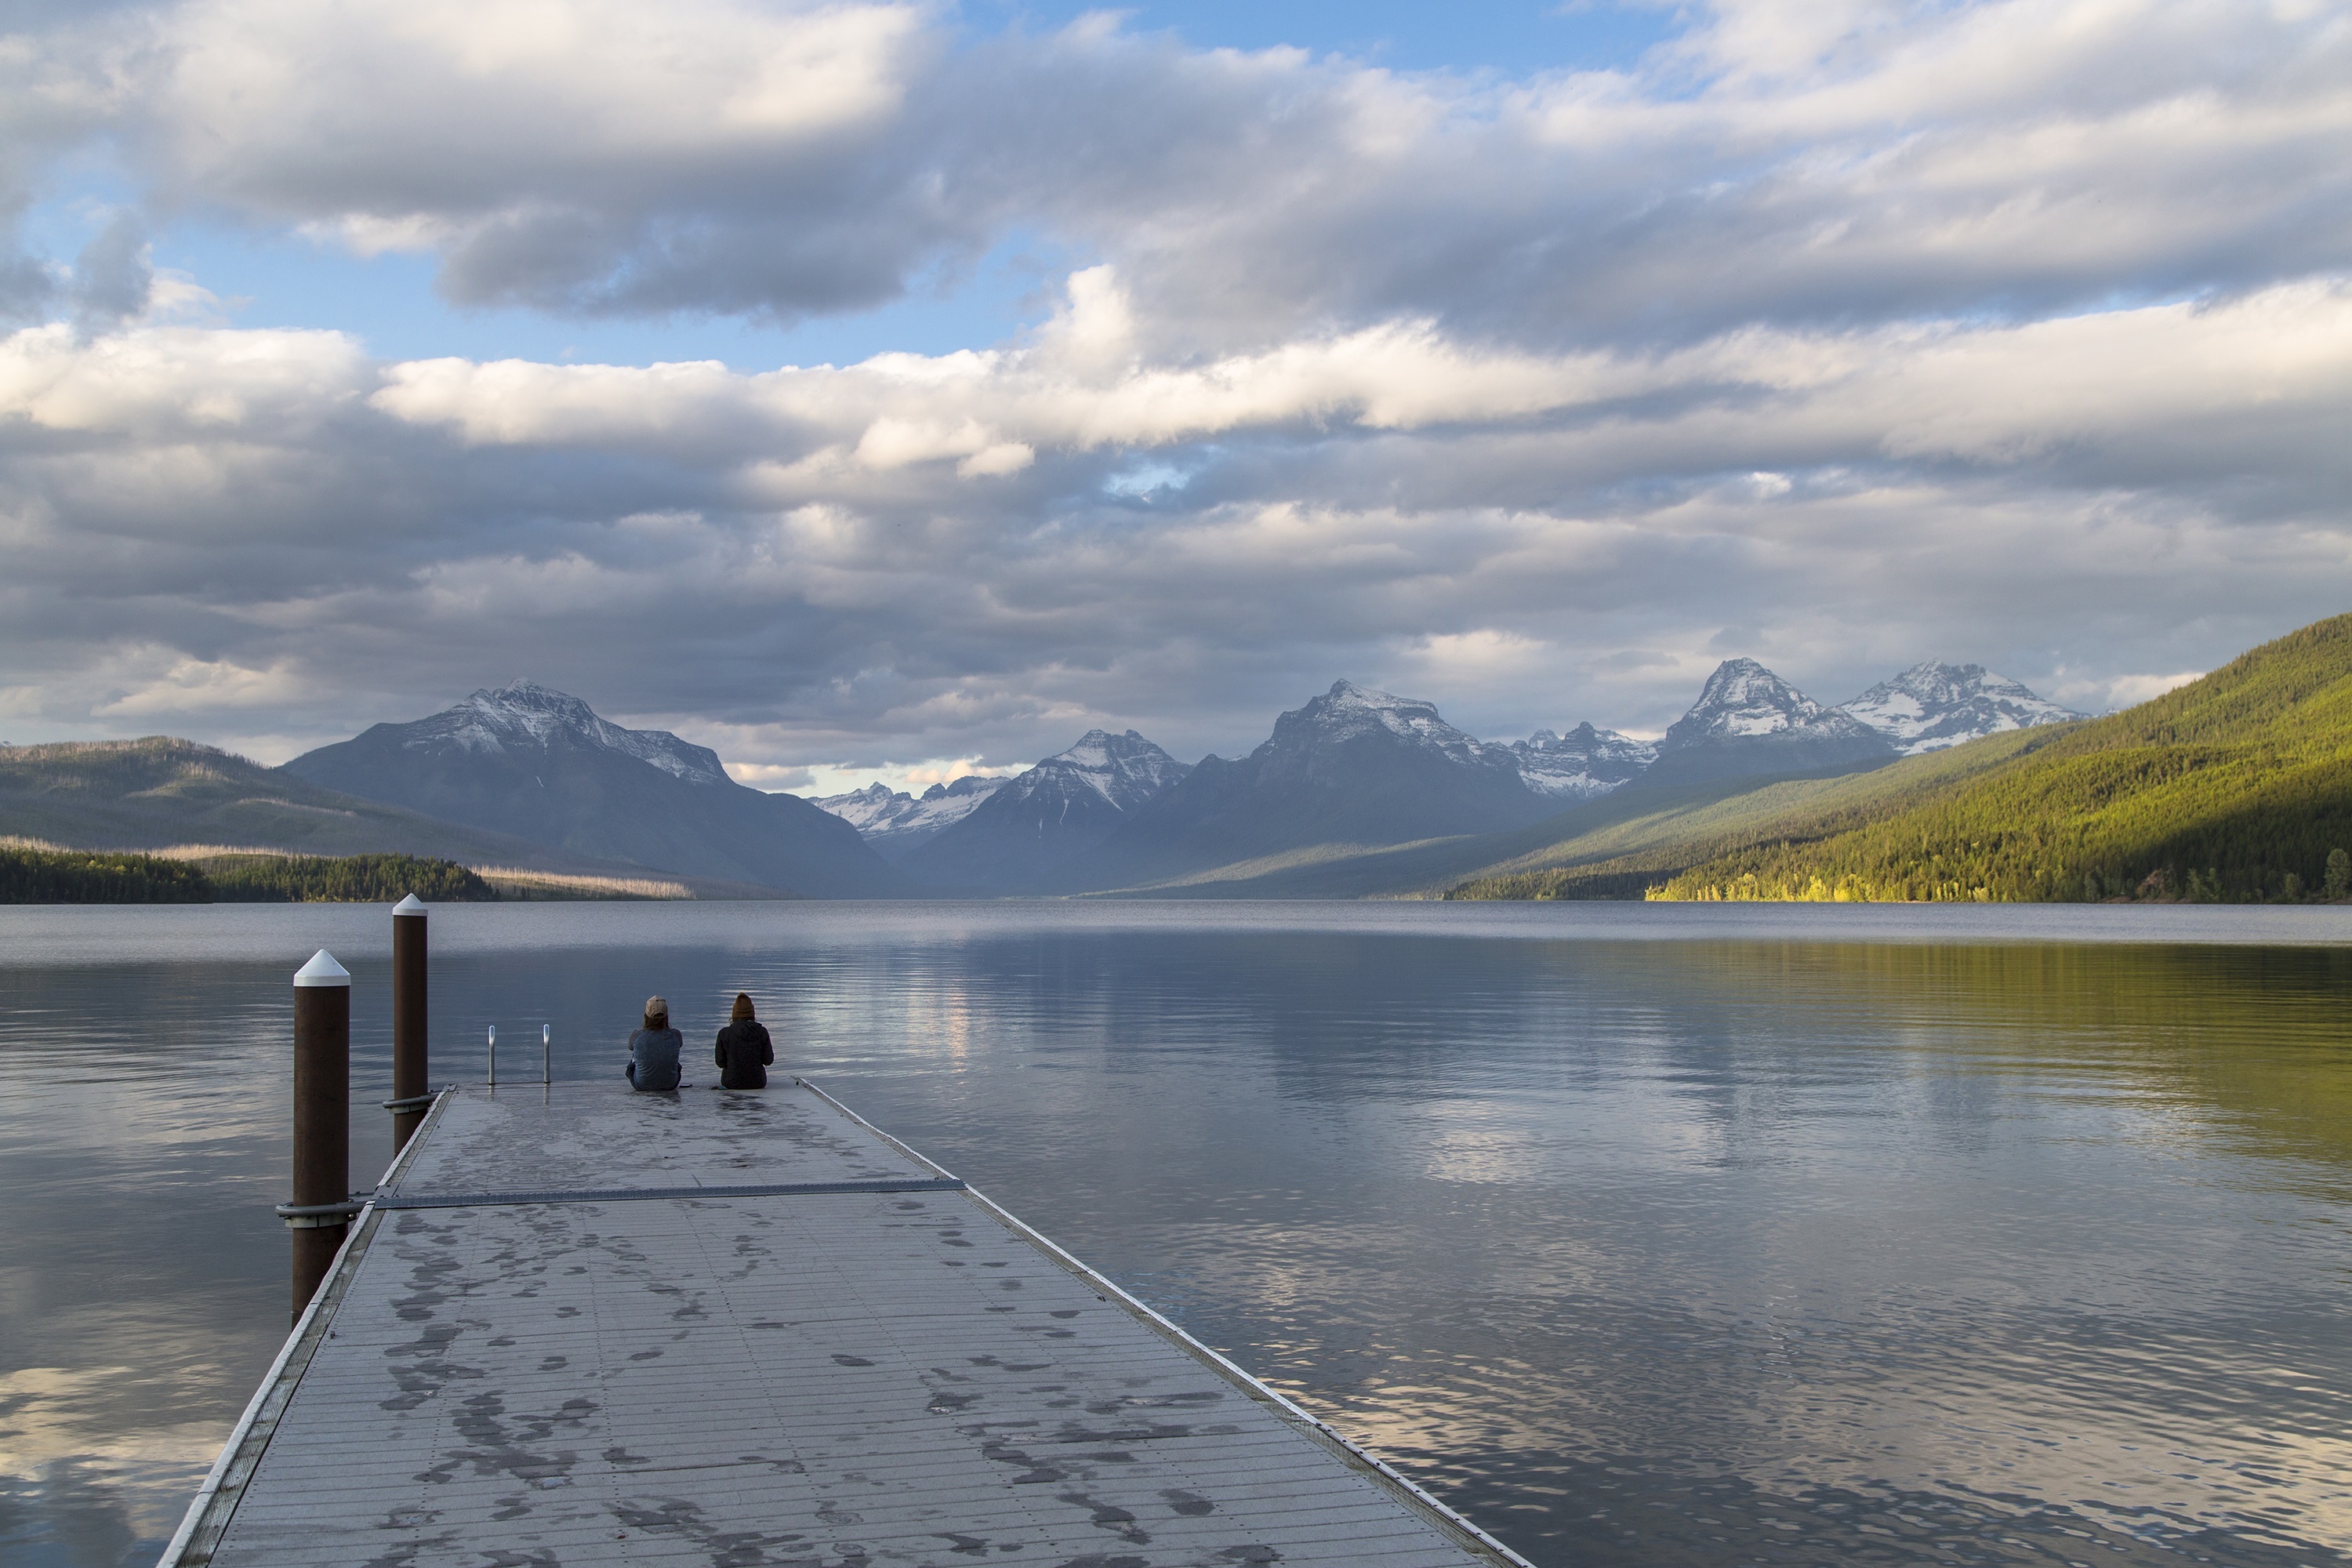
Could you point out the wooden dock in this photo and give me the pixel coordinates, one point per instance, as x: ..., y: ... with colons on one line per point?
x: 581, y: 1325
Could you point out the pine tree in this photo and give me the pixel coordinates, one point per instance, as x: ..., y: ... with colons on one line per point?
x: 2339, y: 873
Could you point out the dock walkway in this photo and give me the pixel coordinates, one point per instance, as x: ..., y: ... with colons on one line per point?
x: 581, y: 1326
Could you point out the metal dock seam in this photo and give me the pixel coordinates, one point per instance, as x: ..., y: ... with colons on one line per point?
x: 394, y: 1201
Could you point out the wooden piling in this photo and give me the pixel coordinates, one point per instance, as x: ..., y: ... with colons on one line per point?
x: 320, y: 1212
x: 409, y: 1097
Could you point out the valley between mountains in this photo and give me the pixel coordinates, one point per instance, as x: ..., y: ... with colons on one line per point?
x: 1944, y: 781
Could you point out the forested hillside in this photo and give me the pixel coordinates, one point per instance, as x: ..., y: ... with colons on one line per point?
x: 2235, y: 788
x: 83, y: 877
x: 342, y: 879
x: 31, y: 875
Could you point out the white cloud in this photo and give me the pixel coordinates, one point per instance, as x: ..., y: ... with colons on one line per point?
x: 1783, y: 162
x: 1842, y: 335
x: 184, y: 686
x: 2100, y: 696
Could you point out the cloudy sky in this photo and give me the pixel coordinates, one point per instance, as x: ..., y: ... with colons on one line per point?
x: 878, y: 390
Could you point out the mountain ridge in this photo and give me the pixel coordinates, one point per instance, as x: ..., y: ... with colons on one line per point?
x: 1583, y: 764
x: 160, y: 791
x: 1354, y: 790
x: 1350, y: 766
x: 537, y: 765
x: 894, y: 821
x: 1749, y: 721
x: 1298, y: 813
x: 2235, y: 788
x: 1933, y: 705
x: 1029, y: 827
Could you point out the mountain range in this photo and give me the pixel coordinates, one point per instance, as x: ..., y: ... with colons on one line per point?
x: 1356, y: 770
x: 1352, y: 766
x: 1357, y: 791
x: 896, y: 821
x: 2235, y: 788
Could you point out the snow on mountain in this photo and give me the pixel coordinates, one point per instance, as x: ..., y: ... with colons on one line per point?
x: 1030, y: 825
x: 1933, y: 705
x: 894, y: 821
x: 539, y: 765
x: 1350, y: 768
x: 1124, y: 771
x: 1749, y: 722
x: 1349, y: 711
x: 1583, y: 765
x: 1743, y: 699
x: 525, y: 715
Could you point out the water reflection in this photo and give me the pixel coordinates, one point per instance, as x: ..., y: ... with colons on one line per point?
x: 1765, y: 1243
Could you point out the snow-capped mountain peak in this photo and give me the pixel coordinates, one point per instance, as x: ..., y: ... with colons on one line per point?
x: 1934, y: 705
x: 1749, y: 721
x: 526, y: 716
x: 1067, y: 804
x: 1124, y: 770
x: 1742, y: 698
x: 889, y: 818
x: 1349, y: 711
x: 1584, y: 763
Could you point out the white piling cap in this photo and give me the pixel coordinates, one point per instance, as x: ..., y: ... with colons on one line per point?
x: 411, y: 905
x: 322, y: 970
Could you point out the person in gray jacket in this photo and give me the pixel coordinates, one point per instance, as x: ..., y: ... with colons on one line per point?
x: 654, y: 1049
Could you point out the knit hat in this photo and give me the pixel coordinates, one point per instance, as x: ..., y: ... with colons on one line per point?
x: 656, y: 1008
x: 742, y: 1007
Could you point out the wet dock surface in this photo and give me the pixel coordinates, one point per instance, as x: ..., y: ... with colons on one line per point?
x: 582, y: 1325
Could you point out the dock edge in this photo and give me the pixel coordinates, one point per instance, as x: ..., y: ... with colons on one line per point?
x: 1444, y: 1519
x: 215, y: 1504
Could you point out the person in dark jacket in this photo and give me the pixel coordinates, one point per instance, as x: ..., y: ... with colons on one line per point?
x: 654, y: 1050
x: 744, y: 1053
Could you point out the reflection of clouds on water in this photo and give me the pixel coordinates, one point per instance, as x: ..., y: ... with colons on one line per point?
x: 48, y: 1413
x: 80, y: 1482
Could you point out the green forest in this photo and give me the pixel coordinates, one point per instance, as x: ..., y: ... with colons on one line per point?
x: 74, y: 876
x: 81, y: 876
x: 2234, y: 788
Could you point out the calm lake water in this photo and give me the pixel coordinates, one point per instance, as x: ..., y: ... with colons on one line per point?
x: 1645, y: 1234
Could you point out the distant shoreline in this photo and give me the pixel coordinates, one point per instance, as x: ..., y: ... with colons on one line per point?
x: 33, y: 871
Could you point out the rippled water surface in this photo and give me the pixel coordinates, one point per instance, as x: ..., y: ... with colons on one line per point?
x: 1645, y: 1234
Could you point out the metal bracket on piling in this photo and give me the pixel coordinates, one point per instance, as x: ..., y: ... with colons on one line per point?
x: 317, y: 1216
x: 412, y: 1102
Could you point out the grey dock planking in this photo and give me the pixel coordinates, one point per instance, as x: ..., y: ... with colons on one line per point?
x: 586, y: 1326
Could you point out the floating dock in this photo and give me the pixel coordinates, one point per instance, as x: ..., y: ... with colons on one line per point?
x: 581, y: 1325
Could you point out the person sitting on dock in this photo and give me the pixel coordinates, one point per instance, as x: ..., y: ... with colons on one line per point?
x: 654, y: 1049
x: 744, y: 1053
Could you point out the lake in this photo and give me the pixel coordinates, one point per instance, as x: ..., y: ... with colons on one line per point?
x: 1643, y: 1234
